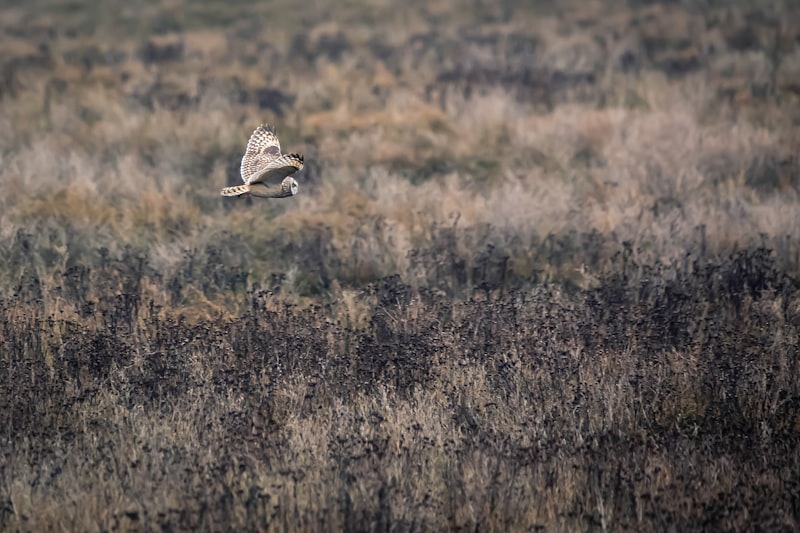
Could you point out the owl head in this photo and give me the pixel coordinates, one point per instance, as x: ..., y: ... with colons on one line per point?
x: 288, y: 186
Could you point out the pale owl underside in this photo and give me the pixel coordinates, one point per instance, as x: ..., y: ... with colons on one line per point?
x: 263, y: 164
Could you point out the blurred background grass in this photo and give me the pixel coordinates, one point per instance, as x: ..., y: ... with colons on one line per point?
x: 646, y: 124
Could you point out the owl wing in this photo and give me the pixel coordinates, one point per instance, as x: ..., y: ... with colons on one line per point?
x: 262, y: 149
x: 279, y: 168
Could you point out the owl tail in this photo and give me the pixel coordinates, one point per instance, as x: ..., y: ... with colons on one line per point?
x: 236, y: 190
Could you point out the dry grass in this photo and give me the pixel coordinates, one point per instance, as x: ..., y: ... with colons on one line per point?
x: 541, y: 273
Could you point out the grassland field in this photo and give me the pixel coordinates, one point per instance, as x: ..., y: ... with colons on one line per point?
x: 542, y: 273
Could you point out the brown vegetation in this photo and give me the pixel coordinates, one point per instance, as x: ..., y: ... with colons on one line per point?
x: 542, y: 272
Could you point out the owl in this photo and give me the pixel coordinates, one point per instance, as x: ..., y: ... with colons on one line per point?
x: 263, y: 164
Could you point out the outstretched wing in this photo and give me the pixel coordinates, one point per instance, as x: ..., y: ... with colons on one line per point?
x: 279, y: 168
x: 263, y: 148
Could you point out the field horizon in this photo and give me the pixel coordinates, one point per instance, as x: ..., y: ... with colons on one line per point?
x: 542, y: 272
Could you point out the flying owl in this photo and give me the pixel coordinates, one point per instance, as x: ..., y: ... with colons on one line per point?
x: 263, y: 164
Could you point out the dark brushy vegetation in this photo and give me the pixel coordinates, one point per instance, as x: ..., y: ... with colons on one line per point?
x: 543, y: 272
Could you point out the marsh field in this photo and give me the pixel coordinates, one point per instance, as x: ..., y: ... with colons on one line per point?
x: 542, y: 273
